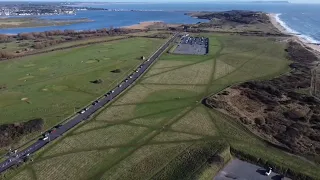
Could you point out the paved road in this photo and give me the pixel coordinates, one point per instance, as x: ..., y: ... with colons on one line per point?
x: 242, y: 170
x: 19, y: 156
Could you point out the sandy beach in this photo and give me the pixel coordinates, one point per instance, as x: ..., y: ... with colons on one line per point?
x: 274, y: 21
x: 144, y: 25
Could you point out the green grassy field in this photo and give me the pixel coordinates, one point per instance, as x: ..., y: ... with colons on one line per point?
x: 160, y: 130
x: 53, y: 85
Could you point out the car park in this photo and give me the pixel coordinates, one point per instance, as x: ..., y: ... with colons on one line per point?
x: 192, y: 45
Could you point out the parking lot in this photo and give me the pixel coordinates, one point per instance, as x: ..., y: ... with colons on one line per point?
x: 238, y: 169
x: 192, y: 45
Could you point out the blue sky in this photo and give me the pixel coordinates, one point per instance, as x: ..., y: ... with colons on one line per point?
x: 159, y: 1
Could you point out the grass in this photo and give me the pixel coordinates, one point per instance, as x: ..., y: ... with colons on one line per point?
x: 173, y: 48
x: 160, y: 130
x: 35, y: 22
x: 83, y: 42
x: 64, y: 76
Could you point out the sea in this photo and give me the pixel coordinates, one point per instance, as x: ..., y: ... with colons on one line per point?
x: 302, y: 19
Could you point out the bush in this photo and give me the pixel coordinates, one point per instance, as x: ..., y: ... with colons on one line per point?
x: 98, y: 81
x: 13, y: 132
x: 5, y: 55
x: 26, y: 36
x: 216, y: 159
x: 260, y: 121
x: 4, y: 38
x: 116, y: 71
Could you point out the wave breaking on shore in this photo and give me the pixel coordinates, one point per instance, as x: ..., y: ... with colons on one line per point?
x: 292, y: 31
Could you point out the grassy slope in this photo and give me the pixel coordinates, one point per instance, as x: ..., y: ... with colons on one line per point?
x: 56, y: 83
x: 160, y: 130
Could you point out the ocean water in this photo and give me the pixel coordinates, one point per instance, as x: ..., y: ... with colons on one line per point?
x: 303, y: 19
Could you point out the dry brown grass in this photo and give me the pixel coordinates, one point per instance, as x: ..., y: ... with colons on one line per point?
x: 23, y: 175
x: 196, y: 74
x: 145, y: 162
x: 71, y: 166
x: 174, y: 136
x: 196, y: 121
x: 139, y: 92
x: 117, y: 113
x: 111, y: 136
x: 90, y: 125
x: 222, y: 69
x: 163, y: 66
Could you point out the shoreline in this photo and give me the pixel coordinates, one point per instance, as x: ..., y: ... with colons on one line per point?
x: 143, y: 25
x: 41, y: 23
x: 282, y: 27
x: 139, y: 26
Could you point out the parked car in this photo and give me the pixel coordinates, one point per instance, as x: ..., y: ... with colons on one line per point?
x: 268, y: 171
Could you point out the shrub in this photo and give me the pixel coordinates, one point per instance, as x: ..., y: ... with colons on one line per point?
x: 13, y: 132
x: 260, y: 121
x: 5, y: 55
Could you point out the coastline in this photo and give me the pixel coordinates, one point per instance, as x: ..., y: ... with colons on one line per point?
x: 36, y: 23
x: 281, y: 26
x: 143, y: 25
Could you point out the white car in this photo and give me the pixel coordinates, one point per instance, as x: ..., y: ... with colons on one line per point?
x: 268, y: 172
x: 130, y: 77
x: 45, y: 138
x: 83, y: 111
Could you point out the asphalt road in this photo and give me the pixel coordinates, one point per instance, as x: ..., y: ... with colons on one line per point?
x: 242, y: 170
x: 21, y: 155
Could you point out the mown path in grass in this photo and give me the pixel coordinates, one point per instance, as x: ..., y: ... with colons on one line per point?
x: 159, y: 129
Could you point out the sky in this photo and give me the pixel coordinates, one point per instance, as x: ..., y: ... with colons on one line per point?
x: 158, y: 1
